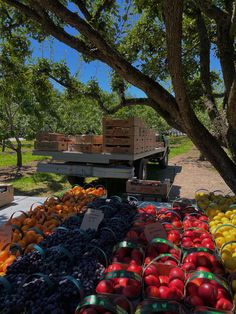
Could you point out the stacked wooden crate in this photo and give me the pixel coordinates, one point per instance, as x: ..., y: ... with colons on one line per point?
x: 51, y: 142
x: 130, y: 136
x: 86, y: 143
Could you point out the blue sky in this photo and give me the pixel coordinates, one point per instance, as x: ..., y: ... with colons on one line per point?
x: 57, y: 51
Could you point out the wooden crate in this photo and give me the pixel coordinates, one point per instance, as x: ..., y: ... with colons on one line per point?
x: 51, y: 146
x: 86, y: 139
x: 86, y: 148
x: 134, y: 121
x: 51, y: 137
x: 123, y: 132
x: 6, y: 194
x: 148, y: 187
x: 122, y: 145
x: 122, y: 150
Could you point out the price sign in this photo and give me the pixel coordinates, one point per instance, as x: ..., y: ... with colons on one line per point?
x: 5, y: 235
x: 92, y: 219
x: 155, y: 230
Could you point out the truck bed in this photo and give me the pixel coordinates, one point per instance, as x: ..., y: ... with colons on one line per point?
x: 99, y: 158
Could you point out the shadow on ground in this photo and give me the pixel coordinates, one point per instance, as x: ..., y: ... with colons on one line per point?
x: 118, y: 186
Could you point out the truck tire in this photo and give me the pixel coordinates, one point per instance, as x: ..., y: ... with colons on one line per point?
x: 73, y: 180
x: 163, y: 163
x: 140, y: 169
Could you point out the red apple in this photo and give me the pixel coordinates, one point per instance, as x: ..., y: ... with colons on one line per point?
x: 177, y: 283
x: 123, y: 282
x: 164, y: 292
x: 194, y: 300
x: 164, y: 280
x: 152, y: 292
x: 203, y: 260
x: 208, y: 293
x: 192, y: 289
x: 202, y: 268
x: 176, y: 272
x: 188, y: 266
x: 104, y: 286
x: 224, y: 304
x: 151, y: 270
x: 135, y: 268
x: 152, y: 280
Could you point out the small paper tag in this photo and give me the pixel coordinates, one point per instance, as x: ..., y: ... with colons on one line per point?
x: 155, y: 230
x: 92, y: 219
x: 5, y: 235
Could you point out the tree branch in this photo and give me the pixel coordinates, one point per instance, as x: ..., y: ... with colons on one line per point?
x: 81, y: 5
x: 101, y: 8
x: 55, y: 30
x: 211, y: 10
x: 114, y: 59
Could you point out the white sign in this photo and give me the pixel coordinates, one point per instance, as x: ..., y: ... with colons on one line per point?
x: 92, y: 219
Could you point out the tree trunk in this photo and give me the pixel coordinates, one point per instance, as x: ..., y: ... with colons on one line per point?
x: 18, y: 153
x: 3, y: 146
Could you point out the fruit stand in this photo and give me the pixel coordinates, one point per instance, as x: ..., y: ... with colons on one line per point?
x: 83, y: 253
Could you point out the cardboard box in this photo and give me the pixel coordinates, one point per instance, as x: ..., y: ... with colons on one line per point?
x: 51, y: 137
x: 86, y: 139
x: 6, y: 194
x: 51, y: 146
x: 148, y: 187
x: 85, y: 148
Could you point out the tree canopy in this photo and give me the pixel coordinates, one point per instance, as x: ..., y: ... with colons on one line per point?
x: 153, y: 44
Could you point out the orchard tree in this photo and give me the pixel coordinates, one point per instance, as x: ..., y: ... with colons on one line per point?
x: 149, y: 44
x: 23, y: 95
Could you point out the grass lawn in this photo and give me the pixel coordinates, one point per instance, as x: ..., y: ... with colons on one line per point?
x: 8, y: 158
x: 179, y: 145
x: 33, y: 184
x: 44, y: 184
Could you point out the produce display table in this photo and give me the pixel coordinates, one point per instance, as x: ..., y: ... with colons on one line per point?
x: 82, y: 253
x: 20, y: 203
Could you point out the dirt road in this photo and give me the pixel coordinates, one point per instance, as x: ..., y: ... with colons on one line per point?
x: 193, y: 174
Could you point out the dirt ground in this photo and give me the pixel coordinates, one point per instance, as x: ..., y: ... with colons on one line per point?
x: 192, y: 175
x: 12, y: 173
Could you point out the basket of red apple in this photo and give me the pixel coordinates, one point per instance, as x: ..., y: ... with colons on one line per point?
x: 127, y: 252
x: 167, y: 252
x: 131, y: 267
x: 136, y: 235
x: 107, y: 304
x: 202, y: 259
x: 160, y: 306
x: 147, y: 209
x: 173, y: 234
x: 168, y: 215
x: 193, y: 221
x: 207, y: 289
x: 195, y: 237
x: 163, y: 281
x: 122, y: 282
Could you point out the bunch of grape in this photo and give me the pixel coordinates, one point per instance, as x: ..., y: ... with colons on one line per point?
x: 69, y: 266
